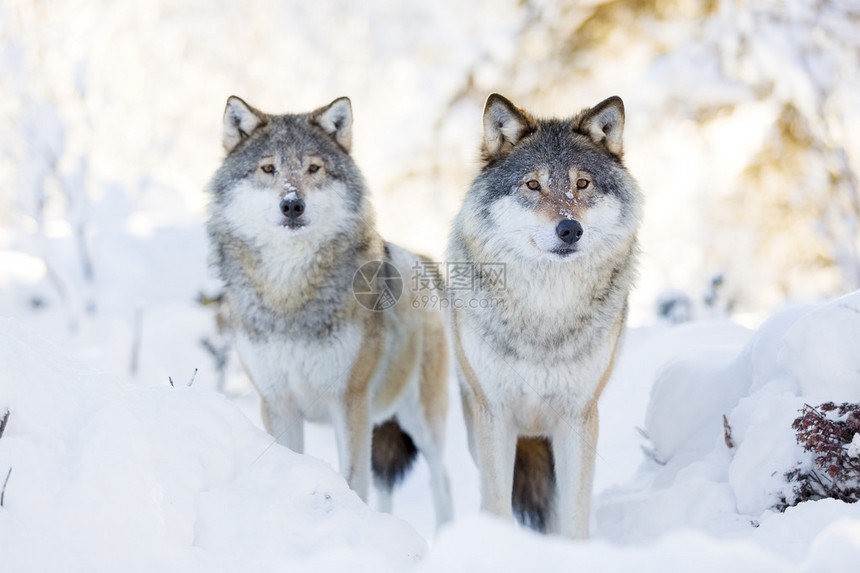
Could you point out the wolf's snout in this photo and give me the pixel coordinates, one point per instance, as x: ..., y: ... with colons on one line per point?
x: 569, y: 231
x: 293, y: 207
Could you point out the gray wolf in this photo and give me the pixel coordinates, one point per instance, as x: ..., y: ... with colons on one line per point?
x: 554, y: 203
x: 290, y: 225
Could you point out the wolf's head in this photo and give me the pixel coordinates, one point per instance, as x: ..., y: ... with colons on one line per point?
x: 288, y: 176
x: 555, y: 188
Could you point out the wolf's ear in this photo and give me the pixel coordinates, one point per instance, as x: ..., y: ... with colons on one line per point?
x: 336, y: 120
x: 240, y: 121
x: 504, y: 126
x: 604, y: 124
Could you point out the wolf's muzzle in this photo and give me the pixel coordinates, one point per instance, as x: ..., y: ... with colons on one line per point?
x: 569, y: 231
x: 293, y: 208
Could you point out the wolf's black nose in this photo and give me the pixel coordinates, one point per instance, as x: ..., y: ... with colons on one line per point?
x: 293, y: 208
x: 569, y: 231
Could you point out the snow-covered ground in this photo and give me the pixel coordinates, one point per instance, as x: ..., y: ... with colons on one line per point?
x: 109, y: 129
x: 109, y: 476
x: 112, y: 475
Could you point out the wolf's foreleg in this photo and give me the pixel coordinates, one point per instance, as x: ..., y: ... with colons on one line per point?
x: 495, y: 449
x: 351, y: 417
x: 283, y: 420
x: 353, y: 432
x: 574, y: 449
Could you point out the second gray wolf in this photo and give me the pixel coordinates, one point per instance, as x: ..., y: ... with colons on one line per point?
x: 555, y: 205
x: 292, y: 234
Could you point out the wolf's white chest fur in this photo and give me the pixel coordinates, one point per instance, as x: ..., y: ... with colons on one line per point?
x: 542, y: 385
x: 537, y: 396
x: 311, y: 372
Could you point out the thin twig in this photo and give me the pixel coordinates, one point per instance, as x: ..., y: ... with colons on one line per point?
x: 3, y: 423
x: 3, y: 491
x: 727, y: 433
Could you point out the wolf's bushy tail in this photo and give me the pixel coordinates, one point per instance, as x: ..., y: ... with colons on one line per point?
x: 534, y: 482
x: 393, y: 453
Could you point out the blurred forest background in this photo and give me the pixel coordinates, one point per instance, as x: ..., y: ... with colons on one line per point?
x: 743, y: 129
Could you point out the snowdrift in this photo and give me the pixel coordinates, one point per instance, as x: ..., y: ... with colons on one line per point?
x: 725, y: 477
x: 109, y: 475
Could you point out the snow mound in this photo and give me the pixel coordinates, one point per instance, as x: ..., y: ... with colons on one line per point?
x: 115, y: 476
x: 483, y: 544
x: 110, y: 476
x: 719, y: 422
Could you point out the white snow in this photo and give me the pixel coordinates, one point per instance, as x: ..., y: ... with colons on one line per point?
x: 110, y: 475
x: 854, y: 447
x: 705, y: 484
x: 110, y: 117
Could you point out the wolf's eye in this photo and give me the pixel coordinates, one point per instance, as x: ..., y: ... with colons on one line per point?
x: 533, y: 184
x: 313, y: 168
x: 582, y: 183
x: 268, y: 168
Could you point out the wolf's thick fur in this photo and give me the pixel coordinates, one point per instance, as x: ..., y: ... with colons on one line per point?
x: 554, y: 203
x: 290, y: 224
